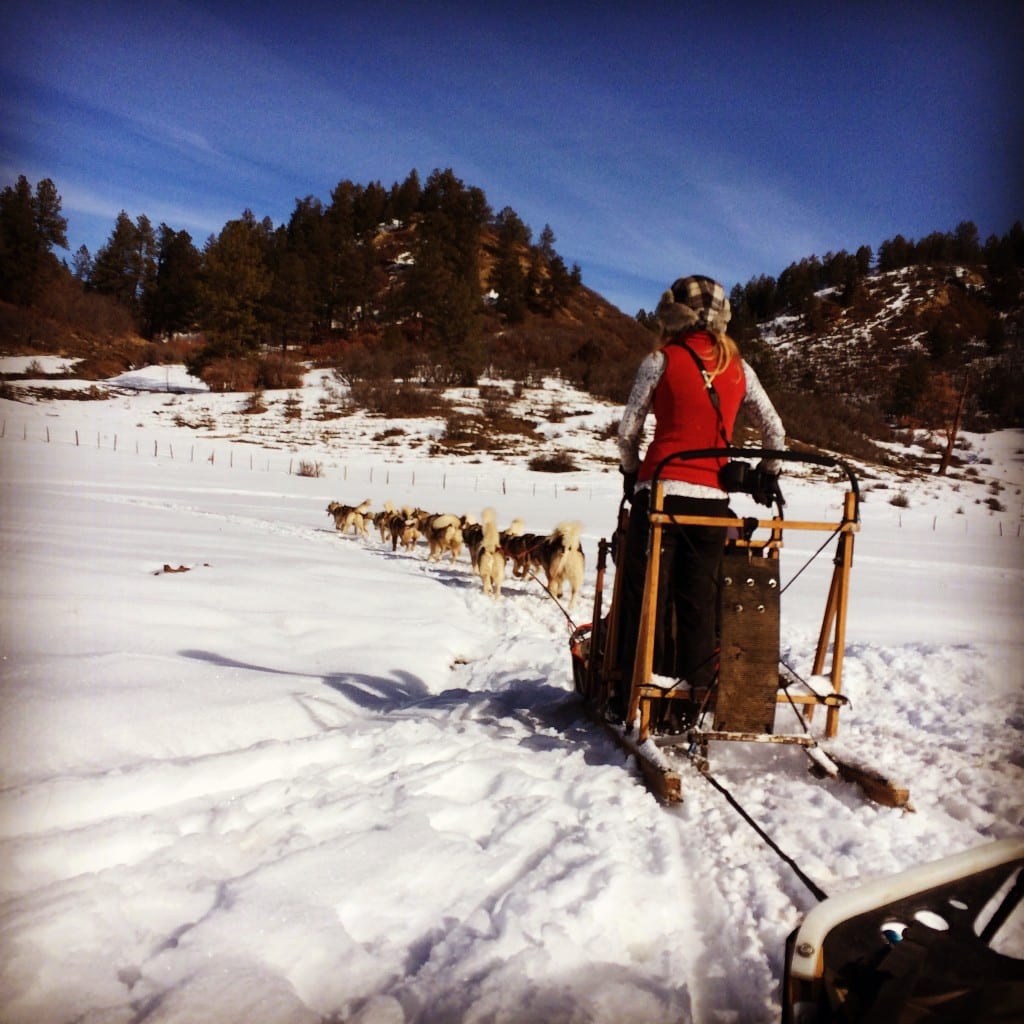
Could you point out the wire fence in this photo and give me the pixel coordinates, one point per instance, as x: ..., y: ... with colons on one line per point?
x: 252, y: 458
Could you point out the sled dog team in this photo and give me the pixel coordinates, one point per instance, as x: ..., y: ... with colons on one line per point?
x: 557, y: 554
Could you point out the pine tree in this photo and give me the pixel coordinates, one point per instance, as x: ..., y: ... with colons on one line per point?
x: 405, y: 198
x: 350, y: 263
x: 287, y: 308
x: 508, y: 276
x: 235, y: 281
x: 81, y: 264
x: 30, y: 226
x: 443, y: 287
x: 172, y: 304
x: 966, y: 245
x: 125, y: 266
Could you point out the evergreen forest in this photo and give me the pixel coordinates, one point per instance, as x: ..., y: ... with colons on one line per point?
x: 424, y: 283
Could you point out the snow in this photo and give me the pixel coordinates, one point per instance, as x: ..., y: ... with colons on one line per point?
x: 308, y: 779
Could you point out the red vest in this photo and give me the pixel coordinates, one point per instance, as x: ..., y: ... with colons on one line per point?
x: 684, y: 417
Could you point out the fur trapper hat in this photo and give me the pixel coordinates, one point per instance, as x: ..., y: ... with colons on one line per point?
x: 696, y: 301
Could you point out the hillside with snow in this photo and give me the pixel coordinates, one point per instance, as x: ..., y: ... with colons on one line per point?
x: 253, y: 769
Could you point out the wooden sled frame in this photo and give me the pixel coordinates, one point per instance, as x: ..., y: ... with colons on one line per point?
x: 594, y: 646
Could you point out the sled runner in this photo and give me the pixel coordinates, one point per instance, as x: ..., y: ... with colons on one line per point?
x: 741, y: 703
x: 935, y: 943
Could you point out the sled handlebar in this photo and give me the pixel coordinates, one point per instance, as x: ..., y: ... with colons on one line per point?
x: 810, y: 458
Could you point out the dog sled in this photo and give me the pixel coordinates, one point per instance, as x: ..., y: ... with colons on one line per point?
x: 750, y: 686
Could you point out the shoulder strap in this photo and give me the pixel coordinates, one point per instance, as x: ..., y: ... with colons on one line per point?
x: 709, y: 386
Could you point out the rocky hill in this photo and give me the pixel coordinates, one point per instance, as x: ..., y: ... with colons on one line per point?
x: 906, y: 341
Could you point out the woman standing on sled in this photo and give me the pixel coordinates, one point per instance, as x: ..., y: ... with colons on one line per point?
x: 695, y: 383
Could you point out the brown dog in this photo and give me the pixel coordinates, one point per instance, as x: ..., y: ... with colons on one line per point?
x: 444, y: 535
x: 350, y: 517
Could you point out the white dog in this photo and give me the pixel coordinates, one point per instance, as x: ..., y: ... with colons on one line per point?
x: 490, y: 558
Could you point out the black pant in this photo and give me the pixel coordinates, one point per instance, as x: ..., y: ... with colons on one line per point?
x: 686, y: 629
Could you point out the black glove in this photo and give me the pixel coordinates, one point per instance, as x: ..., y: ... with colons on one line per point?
x: 764, y: 487
x: 628, y: 483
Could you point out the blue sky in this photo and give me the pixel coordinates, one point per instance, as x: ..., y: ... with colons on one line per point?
x: 656, y: 139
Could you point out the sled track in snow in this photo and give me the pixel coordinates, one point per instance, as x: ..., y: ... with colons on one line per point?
x: 719, y: 854
x: 723, y: 864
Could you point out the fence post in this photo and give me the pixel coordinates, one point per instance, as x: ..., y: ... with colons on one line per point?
x: 76, y: 437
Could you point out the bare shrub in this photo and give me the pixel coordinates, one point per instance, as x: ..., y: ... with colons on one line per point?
x: 492, y: 393
x: 174, y: 350
x: 204, y: 421
x: 307, y: 468
x: 410, y: 401
x: 501, y: 421
x: 254, y: 404
x: 900, y: 500
x: 560, y: 462
x: 230, y: 373
x: 277, y: 372
x: 555, y: 413
x: 464, y: 431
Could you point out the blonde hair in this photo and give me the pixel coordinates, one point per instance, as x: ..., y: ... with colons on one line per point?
x: 726, y: 351
x: 725, y: 348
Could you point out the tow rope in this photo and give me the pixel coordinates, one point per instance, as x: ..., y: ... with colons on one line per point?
x: 815, y: 890
x: 540, y: 583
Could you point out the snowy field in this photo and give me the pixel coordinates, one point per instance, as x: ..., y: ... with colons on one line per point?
x: 311, y: 780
